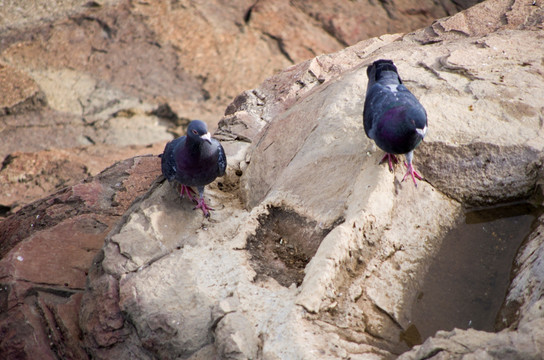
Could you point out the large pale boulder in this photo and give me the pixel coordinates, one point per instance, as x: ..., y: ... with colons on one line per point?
x: 314, y: 250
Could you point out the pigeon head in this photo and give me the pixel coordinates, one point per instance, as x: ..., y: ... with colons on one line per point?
x: 382, y: 69
x: 198, y: 131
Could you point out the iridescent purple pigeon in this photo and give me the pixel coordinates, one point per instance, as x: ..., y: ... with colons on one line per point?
x: 392, y: 115
x: 194, y: 160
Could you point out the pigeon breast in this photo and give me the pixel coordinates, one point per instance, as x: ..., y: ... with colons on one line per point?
x: 200, y: 166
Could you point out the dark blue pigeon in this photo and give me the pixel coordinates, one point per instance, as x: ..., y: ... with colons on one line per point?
x: 393, y: 117
x: 194, y: 160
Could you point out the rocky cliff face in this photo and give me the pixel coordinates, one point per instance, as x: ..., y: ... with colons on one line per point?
x: 106, y: 79
x: 47, y: 248
x: 314, y: 251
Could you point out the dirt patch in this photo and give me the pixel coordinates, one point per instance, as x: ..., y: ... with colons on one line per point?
x: 283, y: 244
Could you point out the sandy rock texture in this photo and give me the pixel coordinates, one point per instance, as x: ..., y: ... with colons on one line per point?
x: 316, y: 251
x: 86, y: 84
x: 86, y: 80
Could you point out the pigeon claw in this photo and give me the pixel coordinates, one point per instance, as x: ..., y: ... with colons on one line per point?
x: 391, y: 159
x: 413, y: 173
x: 187, y: 190
x: 204, y: 207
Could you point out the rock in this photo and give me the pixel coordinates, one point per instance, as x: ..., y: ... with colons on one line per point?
x: 526, y: 343
x: 315, y: 247
x: 21, y: 92
x: 241, y: 33
x: 355, y: 21
x: 27, y: 14
x: 276, y: 273
x: 278, y: 21
x: 47, y: 149
x: 527, y: 285
x: 184, y: 331
x: 25, y: 177
x: 235, y: 338
x: 38, y: 158
x: 47, y: 248
x: 85, y: 73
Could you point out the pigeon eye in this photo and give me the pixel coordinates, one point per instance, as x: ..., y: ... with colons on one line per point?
x: 195, y: 132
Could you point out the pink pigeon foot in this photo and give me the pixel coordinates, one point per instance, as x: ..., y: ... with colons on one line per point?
x: 410, y: 170
x: 203, y: 206
x: 187, y: 190
x: 391, y: 159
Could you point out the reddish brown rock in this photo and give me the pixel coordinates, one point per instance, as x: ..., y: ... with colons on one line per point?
x: 352, y: 21
x: 46, y: 251
x: 26, y: 177
x: 19, y: 92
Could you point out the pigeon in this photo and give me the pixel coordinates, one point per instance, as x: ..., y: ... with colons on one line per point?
x: 392, y: 115
x: 194, y: 160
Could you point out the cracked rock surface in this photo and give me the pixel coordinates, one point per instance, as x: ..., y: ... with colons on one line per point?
x: 316, y: 251
x: 106, y: 79
x: 47, y: 249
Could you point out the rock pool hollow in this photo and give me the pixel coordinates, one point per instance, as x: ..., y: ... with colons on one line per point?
x: 467, y: 281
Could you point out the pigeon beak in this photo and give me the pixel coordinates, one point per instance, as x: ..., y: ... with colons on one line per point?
x: 207, y: 137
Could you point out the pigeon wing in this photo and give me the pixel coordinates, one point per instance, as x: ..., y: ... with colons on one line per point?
x: 411, y: 102
x: 378, y: 100
x: 168, y: 161
x: 221, y: 158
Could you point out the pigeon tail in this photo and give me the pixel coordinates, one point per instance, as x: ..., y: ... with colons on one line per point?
x: 391, y: 159
x: 187, y: 190
x: 201, y: 203
x: 410, y: 169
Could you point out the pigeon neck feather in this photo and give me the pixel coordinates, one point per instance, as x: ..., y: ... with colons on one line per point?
x: 389, y: 78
